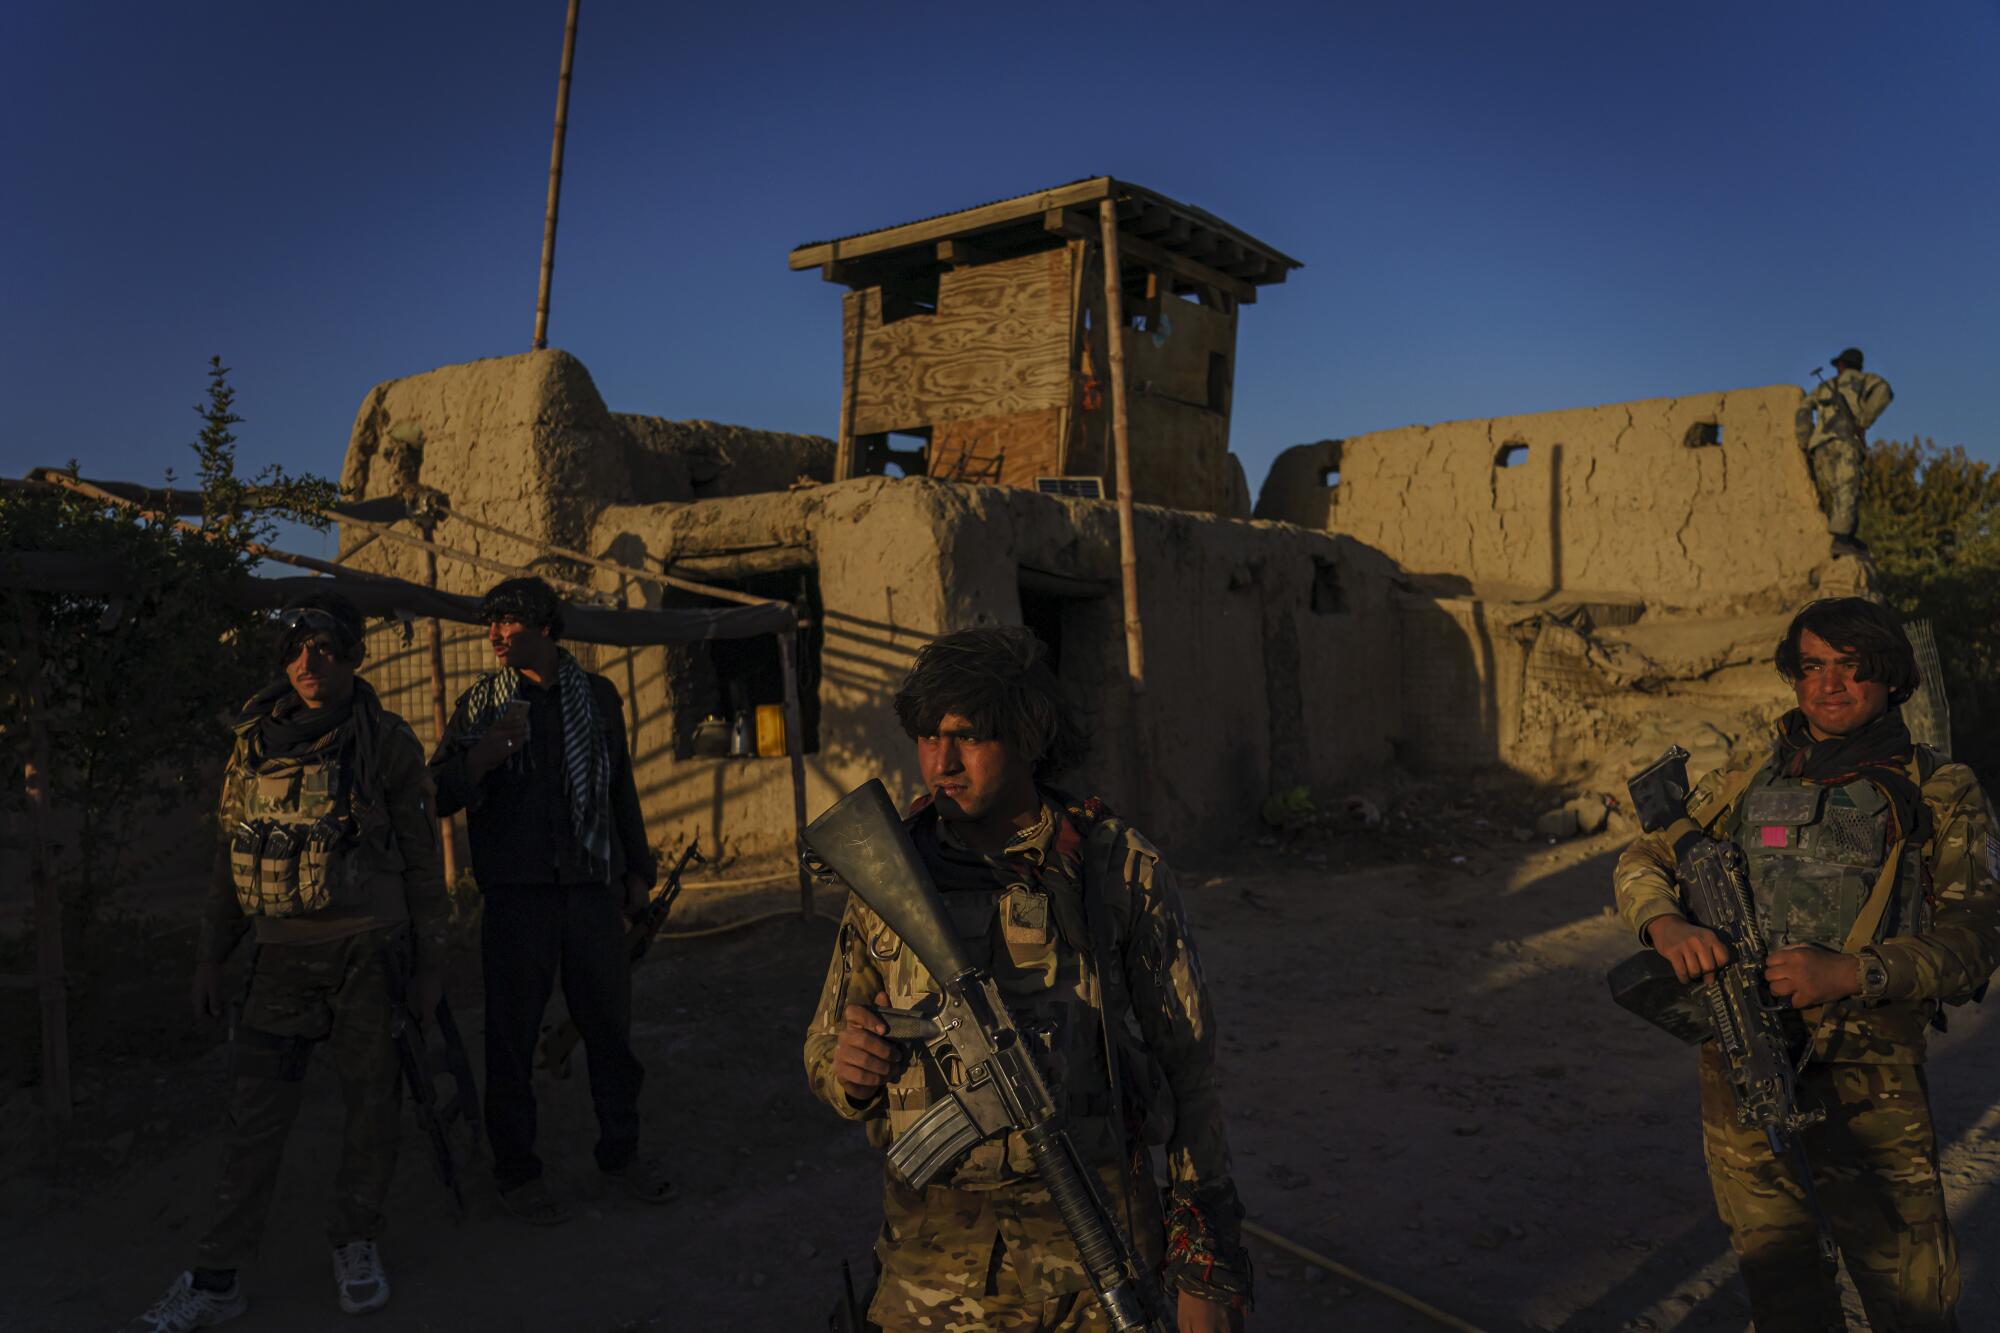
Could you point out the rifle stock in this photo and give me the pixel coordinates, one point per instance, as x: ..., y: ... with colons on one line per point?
x: 1000, y: 1088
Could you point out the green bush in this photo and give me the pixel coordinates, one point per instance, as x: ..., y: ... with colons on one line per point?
x: 1931, y: 517
x: 137, y: 686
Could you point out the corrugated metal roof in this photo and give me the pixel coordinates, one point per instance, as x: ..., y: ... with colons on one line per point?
x: 932, y: 217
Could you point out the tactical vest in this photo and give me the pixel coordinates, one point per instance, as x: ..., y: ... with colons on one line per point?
x: 295, y: 846
x: 1028, y: 925
x: 1815, y: 854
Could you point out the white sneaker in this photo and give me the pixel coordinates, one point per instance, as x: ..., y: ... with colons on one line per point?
x: 359, y: 1277
x: 186, y: 1306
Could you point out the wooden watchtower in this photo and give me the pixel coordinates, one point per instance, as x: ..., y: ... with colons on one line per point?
x: 973, y: 343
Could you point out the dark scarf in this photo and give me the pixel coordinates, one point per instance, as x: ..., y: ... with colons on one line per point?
x: 1879, y: 753
x: 278, y: 725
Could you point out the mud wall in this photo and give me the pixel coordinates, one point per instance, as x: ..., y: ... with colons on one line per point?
x: 1702, y: 501
x: 1270, y: 653
x: 526, y: 442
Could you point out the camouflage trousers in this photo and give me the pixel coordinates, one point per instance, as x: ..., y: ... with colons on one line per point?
x: 301, y: 994
x: 968, y: 1261
x: 1836, y: 470
x: 1875, y: 1166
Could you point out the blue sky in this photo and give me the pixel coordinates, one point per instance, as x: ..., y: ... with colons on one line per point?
x: 1501, y: 208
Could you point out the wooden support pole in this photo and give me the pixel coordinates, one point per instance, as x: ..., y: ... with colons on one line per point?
x: 555, y: 180
x: 428, y: 526
x: 49, y: 978
x: 257, y: 549
x: 1121, y: 441
x: 628, y: 571
x: 795, y: 748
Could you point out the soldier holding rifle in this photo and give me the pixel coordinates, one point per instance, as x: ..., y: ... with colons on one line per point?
x: 1874, y: 875
x: 1070, y: 917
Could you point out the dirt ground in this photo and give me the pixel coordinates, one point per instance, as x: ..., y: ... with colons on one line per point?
x: 1426, y: 1081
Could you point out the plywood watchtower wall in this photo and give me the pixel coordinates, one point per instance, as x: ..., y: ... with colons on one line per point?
x: 1005, y: 377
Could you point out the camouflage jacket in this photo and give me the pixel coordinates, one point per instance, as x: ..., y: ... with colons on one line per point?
x: 407, y: 879
x: 1158, y: 984
x: 1864, y: 397
x: 1951, y: 950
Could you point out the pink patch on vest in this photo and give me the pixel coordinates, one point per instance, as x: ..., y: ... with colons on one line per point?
x: 1774, y: 835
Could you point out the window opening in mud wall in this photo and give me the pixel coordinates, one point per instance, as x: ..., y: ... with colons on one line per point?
x: 1218, y: 382
x: 1329, y: 468
x: 1329, y: 595
x: 1703, y: 435
x: 732, y: 678
x: 1512, y: 454
x: 1083, y: 630
x: 1043, y: 613
x: 908, y: 295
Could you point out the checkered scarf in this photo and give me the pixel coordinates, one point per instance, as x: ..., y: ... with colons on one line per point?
x: 586, y: 756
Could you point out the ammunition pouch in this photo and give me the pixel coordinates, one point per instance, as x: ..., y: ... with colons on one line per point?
x: 257, y: 1054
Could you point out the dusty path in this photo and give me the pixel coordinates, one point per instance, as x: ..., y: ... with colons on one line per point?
x: 1425, y: 1077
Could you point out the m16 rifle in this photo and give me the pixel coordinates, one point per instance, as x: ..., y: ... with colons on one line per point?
x: 420, y: 1072
x: 977, y: 1053
x: 559, y: 1042
x: 1732, y: 1006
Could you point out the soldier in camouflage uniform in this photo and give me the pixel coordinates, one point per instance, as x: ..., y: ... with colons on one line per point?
x: 330, y: 855
x: 1845, y: 813
x: 1832, y: 428
x: 1032, y: 878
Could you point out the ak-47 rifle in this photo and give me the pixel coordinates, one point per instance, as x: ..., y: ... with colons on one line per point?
x: 967, y: 1030
x: 420, y: 1077
x: 1840, y: 402
x: 1732, y: 1005
x: 559, y: 1042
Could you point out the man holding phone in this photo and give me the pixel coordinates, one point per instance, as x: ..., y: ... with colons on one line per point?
x: 536, y: 756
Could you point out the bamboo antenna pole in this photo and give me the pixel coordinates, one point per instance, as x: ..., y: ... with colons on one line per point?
x: 49, y: 978
x: 795, y: 747
x: 1128, y: 556
x: 555, y: 180
x: 428, y: 526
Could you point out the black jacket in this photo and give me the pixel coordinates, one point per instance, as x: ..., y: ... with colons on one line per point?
x: 518, y: 816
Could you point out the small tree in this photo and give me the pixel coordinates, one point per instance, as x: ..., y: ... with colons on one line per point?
x: 138, y: 685
x: 1931, y: 517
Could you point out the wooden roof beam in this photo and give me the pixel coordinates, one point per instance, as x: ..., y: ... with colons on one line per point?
x: 1146, y: 254
x: 963, y: 254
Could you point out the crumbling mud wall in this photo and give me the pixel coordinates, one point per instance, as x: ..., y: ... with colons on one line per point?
x: 527, y: 443
x: 1703, y: 501
x: 1271, y: 654
x: 1583, y: 587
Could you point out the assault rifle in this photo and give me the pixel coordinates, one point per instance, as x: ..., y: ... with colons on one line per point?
x: 967, y: 1031
x: 1840, y: 401
x: 559, y: 1043
x: 420, y: 1077
x: 1731, y: 1006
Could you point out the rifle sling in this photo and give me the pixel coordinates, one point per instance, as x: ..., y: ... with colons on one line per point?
x: 1863, y: 932
x: 1103, y: 954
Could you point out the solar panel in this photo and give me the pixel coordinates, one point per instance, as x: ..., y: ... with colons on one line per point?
x: 1072, y: 488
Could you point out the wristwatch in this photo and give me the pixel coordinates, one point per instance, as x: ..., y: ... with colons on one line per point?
x: 1874, y: 977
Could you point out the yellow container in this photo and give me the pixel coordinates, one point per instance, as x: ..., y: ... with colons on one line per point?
x: 770, y: 729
